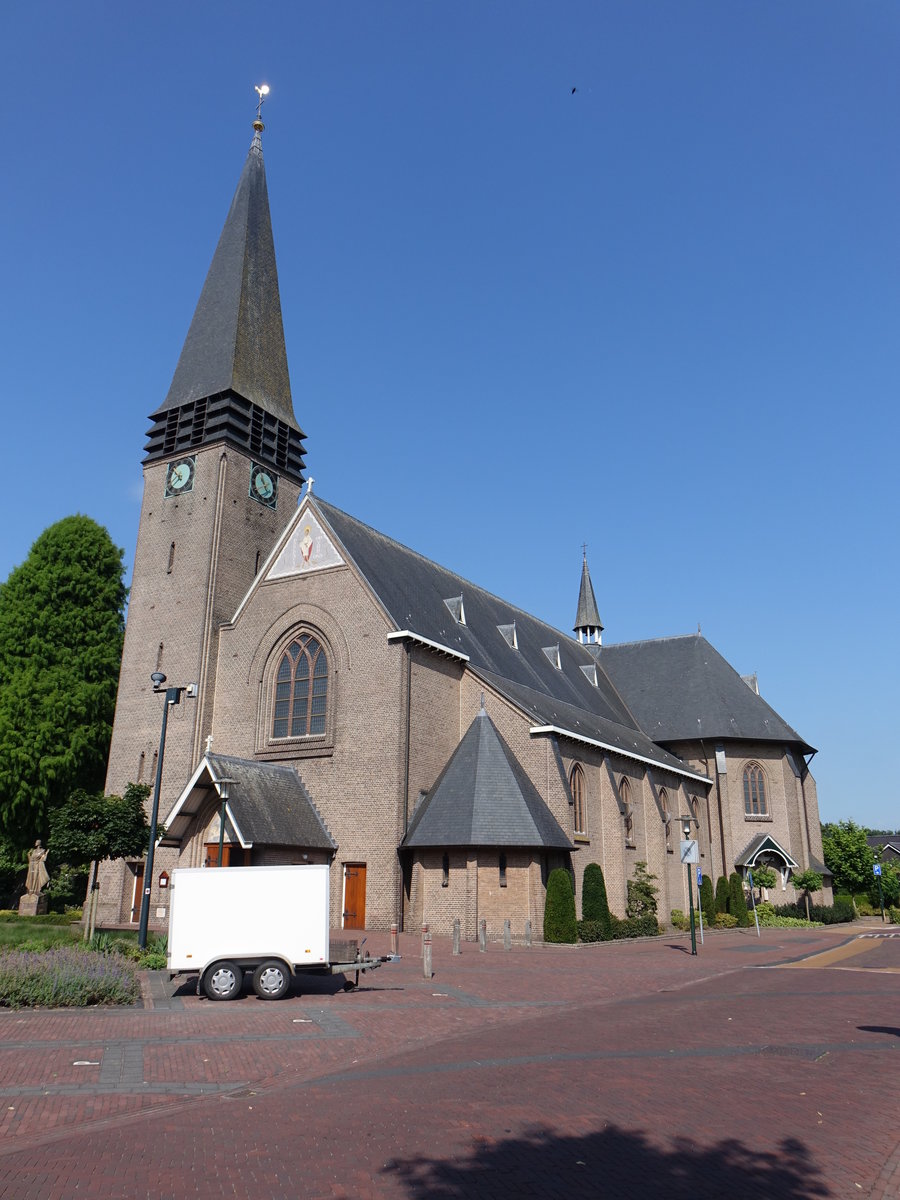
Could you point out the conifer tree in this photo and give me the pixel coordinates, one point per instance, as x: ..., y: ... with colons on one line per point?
x: 61, y: 628
x: 560, y: 924
x: 707, y: 901
x: 594, y: 902
x: 722, y: 894
x: 737, y: 904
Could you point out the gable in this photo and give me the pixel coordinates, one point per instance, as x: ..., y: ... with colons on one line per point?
x: 308, y: 549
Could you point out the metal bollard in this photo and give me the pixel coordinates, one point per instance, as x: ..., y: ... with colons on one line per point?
x: 482, y: 936
x: 456, y: 936
x: 424, y: 935
x: 426, y: 956
x: 507, y: 935
x: 394, y: 938
x: 527, y: 933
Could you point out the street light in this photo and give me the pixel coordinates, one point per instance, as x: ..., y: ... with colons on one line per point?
x: 688, y: 856
x: 221, y: 786
x: 173, y: 696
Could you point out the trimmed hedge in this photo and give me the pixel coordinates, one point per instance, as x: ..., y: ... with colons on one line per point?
x: 840, y: 912
x: 634, y: 927
x: 737, y: 904
x: 708, y: 901
x: 722, y: 894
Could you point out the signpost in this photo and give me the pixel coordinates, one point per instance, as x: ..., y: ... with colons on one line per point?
x: 876, y: 871
x: 690, y: 853
x: 699, y: 901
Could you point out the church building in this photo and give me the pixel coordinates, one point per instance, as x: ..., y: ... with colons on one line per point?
x: 347, y: 700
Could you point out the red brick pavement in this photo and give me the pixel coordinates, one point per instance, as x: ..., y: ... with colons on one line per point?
x: 626, y: 1070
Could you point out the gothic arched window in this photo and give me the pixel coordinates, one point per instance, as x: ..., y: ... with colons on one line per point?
x: 627, y: 811
x: 576, y: 783
x: 301, y: 689
x: 756, y: 803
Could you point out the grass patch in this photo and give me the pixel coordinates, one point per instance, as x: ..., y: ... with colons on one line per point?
x: 65, y: 977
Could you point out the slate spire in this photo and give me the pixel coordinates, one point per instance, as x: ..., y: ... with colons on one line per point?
x: 232, y: 378
x: 587, y: 620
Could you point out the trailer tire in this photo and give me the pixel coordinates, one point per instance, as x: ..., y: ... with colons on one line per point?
x: 222, y: 981
x: 271, y: 980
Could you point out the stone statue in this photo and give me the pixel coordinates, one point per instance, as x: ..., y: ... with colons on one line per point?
x: 37, y: 876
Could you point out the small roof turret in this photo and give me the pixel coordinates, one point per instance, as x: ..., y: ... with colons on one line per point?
x: 587, y: 620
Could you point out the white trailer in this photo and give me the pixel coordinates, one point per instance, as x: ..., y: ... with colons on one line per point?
x: 273, y: 921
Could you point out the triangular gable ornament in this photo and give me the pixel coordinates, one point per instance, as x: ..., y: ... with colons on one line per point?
x: 308, y: 549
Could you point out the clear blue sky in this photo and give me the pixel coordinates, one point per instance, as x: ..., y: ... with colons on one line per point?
x: 658, y: 314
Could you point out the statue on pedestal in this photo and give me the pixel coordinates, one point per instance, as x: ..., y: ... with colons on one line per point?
x: 37, y: 876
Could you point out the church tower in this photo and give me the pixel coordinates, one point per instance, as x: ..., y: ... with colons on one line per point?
x: 223, y: 470
x: 587, y: 619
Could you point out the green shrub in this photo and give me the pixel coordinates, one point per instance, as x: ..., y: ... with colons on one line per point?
x: 65, y: 977
x: 594, y: 904
x: 893, y: 915
x: 682, y: 920
x: 737, y: 904
x: 722, y: 894
x: 820, y: 914
x: 634, y: 927
x: 677, y: 918
x: 593, y: 931
x: 725, y: 921
x: 560, y: 924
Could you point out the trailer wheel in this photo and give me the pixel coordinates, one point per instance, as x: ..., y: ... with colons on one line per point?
x: 270, y: 980
x: 222, y: 981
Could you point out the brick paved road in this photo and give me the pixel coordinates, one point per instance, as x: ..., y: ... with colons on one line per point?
x: 763, y: 1069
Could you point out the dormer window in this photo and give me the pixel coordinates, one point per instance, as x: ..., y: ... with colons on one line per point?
x: 552, y: 653
x: 457, y: 609
x: 590, y: 674
x: 509, y: 633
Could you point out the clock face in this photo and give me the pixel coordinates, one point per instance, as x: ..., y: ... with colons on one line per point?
x: 180, y: 476
x: 263, y: 486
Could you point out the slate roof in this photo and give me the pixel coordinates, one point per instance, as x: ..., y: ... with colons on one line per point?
x: 231, y: 383
x: 236, y: 338
x: 413, y: 591
x: 587, y: 616
x: 483, y: 797
x: 268, y: 805
x: 681, y: 688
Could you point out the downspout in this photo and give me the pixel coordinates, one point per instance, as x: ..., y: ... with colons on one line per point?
x: 402, y: 905
x: 803, y: 774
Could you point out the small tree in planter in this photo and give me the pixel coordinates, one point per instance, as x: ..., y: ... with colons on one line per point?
x: 807, y: 881
x: 764, y: 877
x: 722, y: 894
x: 594, y: 903
x: 641, y: 893
x: 560, y: 924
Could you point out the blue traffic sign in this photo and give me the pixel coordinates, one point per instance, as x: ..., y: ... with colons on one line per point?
x: 699, y: 877
x: 876, y: 868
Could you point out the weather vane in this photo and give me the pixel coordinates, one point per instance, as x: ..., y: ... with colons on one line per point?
x: 262, y: 90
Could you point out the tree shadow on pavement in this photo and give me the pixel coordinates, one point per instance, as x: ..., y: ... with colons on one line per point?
x: 614, y: 1164
x: 891, y: 1029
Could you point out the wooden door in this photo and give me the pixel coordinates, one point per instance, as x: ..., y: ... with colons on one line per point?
x: 354, y: 895
x: 138, y: 893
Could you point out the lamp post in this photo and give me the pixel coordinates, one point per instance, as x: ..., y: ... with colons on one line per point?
x: 173, y: 696
x: 221, y: 786
x: 689, y: 855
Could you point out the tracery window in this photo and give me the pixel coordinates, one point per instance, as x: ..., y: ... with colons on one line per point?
x: 301, y: 689
x: 756, y: 803
x: 576, y: 783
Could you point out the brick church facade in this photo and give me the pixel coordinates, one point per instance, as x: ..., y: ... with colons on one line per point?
x: 364, y: 706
